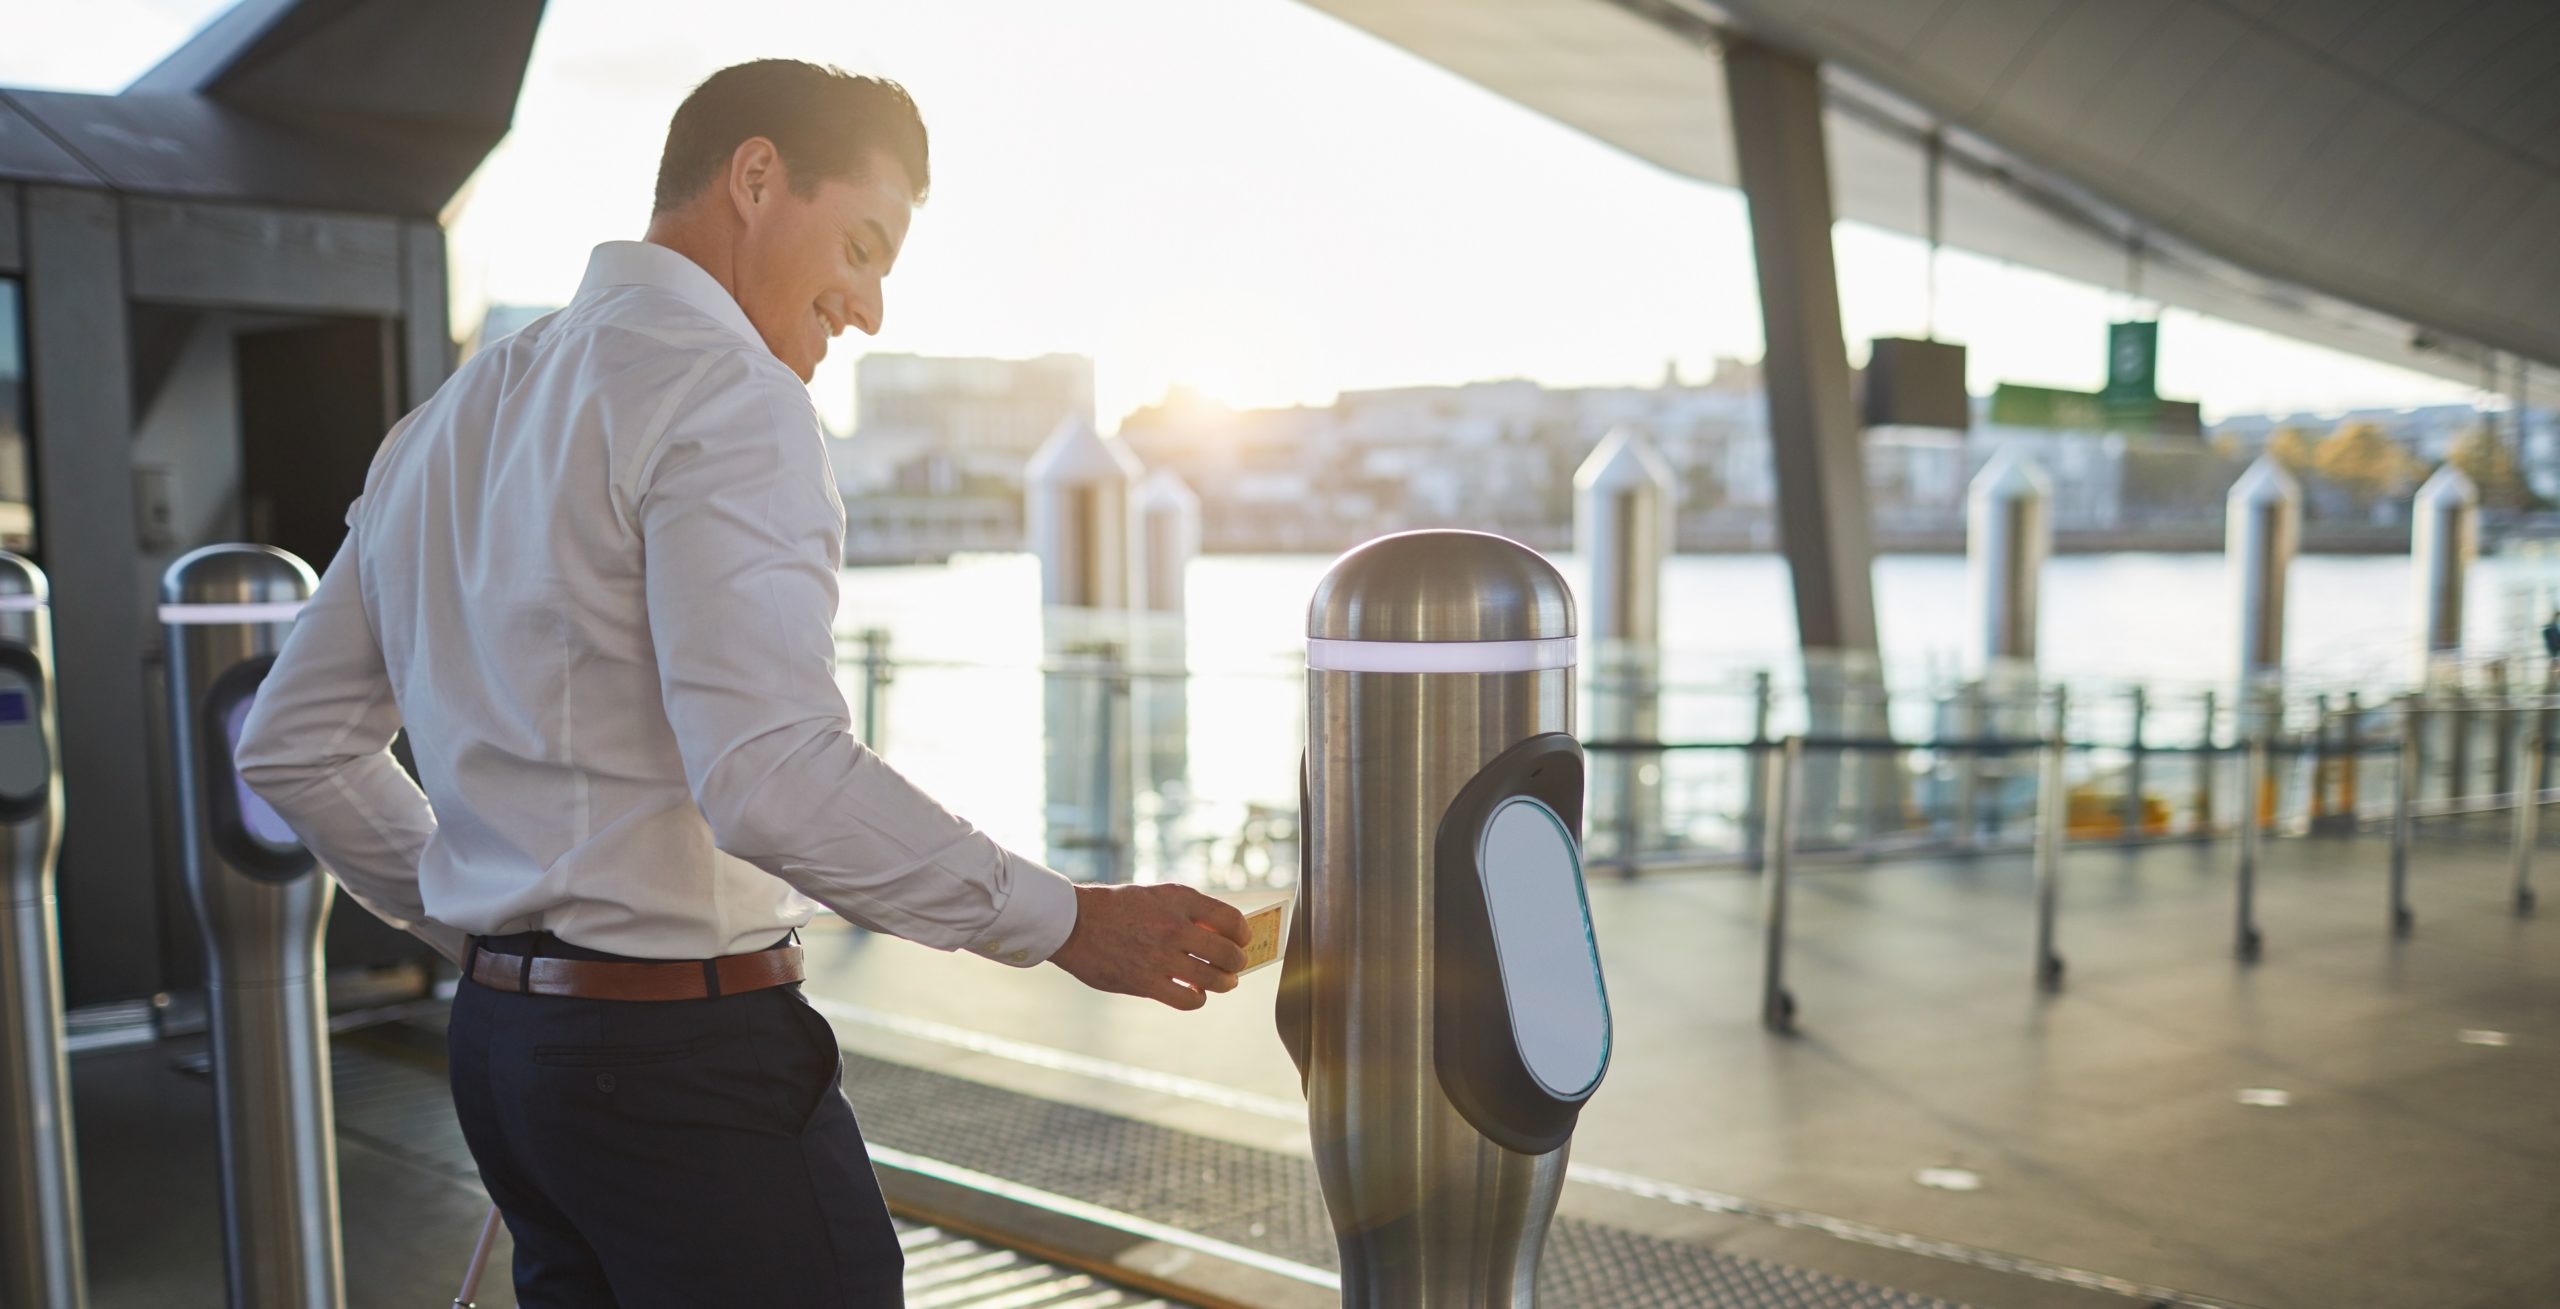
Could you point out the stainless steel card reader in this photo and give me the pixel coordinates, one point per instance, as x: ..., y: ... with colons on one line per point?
x: 41, y: 1260
x: 261, y: 903
x: 1441, y: 992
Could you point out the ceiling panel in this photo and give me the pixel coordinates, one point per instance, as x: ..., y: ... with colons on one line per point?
x: 2340, y: 170
x: 2302, y: 190
x: 2125, y: 124
x: 1974, y: 46
x: 2318, y: 24
x: 2389, y: 37
x: 2227, y: 133
x: 2462, y: 51
x: 2056, y: 75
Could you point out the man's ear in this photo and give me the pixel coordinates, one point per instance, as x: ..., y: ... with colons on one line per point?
x: 755, y: 172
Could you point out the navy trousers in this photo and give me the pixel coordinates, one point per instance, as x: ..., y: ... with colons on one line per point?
x: 652, y: 1154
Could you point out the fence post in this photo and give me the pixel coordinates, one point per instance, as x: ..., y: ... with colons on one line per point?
x: 2253, y: 780
x: 2457, y: 754
x: 1777, y: 1008
x: 2350, y: 757
x: 2318, y: 799
x: 2052, y: 830
x: 875, y: 679
x: 1111, y: 687
x: 2503, y: 755
x: 2404, y: 797
x: 2205, y: 770
x: 2133, y: 810
x: 1755, y: 770
x: 2528, y: 811
x: 1969, y: 721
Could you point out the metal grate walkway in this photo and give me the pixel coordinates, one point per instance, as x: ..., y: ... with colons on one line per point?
x: 1261, y: 1200
x: 1269, y: 1202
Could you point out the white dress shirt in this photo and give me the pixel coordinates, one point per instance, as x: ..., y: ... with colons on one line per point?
x: 595, y: 575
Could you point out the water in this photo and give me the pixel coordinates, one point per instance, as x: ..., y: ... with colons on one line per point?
x: 964, y: 714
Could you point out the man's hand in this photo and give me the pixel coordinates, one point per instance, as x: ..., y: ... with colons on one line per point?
x: 1168, y: 943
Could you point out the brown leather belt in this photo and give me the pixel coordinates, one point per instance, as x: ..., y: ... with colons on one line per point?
x: 591, y: 979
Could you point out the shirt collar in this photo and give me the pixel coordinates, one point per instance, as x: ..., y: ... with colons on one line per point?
x: 641, y: 263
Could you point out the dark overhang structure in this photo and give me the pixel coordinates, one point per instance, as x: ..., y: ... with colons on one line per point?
x: 233, y: 282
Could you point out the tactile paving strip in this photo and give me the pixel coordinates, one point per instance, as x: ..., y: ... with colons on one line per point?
x: 1259, y: 1199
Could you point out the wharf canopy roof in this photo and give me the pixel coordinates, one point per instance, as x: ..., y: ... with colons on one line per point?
x: 2379, y: 176
x: 379, y: 106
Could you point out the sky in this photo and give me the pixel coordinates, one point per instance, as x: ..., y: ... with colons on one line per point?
x: 1243, y: 197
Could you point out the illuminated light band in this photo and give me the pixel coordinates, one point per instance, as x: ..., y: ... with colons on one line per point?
x: 200, y: 615
x: 1331, y: 656
x: 21, y: 604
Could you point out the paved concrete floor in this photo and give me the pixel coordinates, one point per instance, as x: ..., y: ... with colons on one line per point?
x: 2106, y: 1124
x: 149, y: 1181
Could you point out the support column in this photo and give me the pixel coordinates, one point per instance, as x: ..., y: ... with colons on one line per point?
x: 1785, y: 167
x: 80, y: 377
x: 1775, y: 99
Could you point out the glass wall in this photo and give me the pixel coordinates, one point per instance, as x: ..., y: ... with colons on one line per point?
x: 17, y: 483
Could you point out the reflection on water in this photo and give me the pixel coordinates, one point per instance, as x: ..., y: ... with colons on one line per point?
x: 1209, y: 771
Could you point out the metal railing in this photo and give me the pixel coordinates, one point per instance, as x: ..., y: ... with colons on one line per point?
x: 2330, y: 755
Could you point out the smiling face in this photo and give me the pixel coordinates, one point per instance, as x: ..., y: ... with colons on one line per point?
x: 805, y: 267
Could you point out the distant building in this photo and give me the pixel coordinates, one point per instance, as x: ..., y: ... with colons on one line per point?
x: 935, y: 461
x: 930, y: 425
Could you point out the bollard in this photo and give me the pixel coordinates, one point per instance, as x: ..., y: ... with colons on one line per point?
x: 2404, y: 800
x: 1441, y: 992
x: 1777, y: 1006
x: 1623, y: 503
x: 2528, y: 820
x: 2008, y: 534
x: 1160, y: 690
x: 2444, y: 538
x: 2262, y: 527
x: 1081, y: 513
x: 2052, y: 830
x: 41, y: 1260
x: 261, y: 902
x: 2253, y: 780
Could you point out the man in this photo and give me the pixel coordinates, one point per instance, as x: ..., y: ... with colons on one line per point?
x: 595, y: 577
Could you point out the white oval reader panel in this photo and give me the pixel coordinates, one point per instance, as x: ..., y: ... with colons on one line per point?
x: 1542, y: 939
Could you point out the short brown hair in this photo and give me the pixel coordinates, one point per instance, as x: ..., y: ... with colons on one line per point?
x: 822, y: 120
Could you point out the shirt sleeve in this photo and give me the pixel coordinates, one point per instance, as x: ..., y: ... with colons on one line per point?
x: 741, y: 538
x: 317, y: 747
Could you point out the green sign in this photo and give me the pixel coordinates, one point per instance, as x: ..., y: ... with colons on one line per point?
x: 2017, y: 405
x: 2133, y: 360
